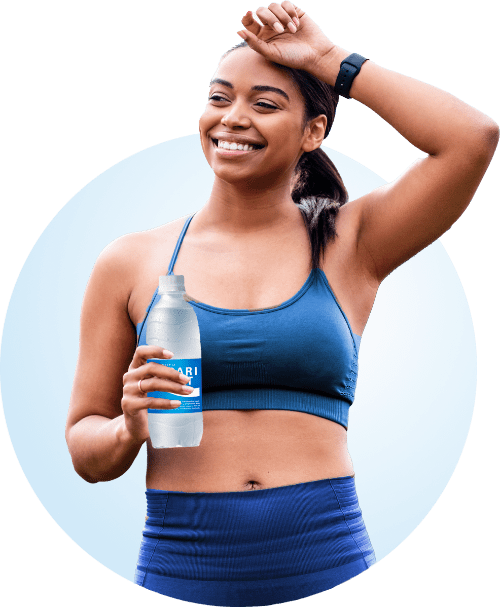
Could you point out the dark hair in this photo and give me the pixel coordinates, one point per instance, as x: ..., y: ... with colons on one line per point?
x: 319, y: 191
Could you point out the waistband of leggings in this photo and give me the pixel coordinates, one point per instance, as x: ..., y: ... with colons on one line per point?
x: 336, y: 480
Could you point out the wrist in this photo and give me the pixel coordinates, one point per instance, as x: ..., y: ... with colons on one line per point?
x: 125, y: 438
x: 329, y: 65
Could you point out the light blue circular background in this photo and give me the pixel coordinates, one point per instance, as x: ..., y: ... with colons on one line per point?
x: 416, y: 386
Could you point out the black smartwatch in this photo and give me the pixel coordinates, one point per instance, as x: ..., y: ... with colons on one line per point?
x: 349, y: 69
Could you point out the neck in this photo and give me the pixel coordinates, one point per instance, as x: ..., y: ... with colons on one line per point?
x: 242, y: 209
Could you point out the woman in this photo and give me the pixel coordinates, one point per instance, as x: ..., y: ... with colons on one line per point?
x: 282, y: 275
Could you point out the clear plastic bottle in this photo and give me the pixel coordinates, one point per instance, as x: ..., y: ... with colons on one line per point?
x: 173, y: 325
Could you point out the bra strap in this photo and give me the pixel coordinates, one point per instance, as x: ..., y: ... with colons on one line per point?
x: 178, y: 245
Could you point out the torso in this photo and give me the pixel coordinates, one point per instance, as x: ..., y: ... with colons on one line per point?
x: 252, y: 449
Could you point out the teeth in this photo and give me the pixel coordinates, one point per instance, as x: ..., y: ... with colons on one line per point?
x: 234, y: 146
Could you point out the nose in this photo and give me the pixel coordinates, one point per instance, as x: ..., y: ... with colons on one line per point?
x: 236, y: 116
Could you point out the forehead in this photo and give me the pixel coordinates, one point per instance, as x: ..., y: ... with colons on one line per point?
x: 245, y: 68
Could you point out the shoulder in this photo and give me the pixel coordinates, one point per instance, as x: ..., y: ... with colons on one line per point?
x: 121, y: 260
x: 128, y: 250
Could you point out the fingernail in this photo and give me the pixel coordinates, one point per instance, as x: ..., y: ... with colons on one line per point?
x: 292, y: 27
x: 242, y: 34
x: 183, y: 377
x: 175, y: 402
x: 167, y: 353
x: 188, y: 389
x: 296, y: 21
x: 278, y: 27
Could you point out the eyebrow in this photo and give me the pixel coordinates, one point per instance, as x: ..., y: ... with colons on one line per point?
x: 260, y: 87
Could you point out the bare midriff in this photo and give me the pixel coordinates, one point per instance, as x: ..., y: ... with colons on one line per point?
x: 243, y: 450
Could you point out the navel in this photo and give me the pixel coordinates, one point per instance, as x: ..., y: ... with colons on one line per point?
x: 251, y: 485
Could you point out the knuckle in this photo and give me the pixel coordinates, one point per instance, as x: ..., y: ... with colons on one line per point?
x: 150, y: 367
x: 125, y: 404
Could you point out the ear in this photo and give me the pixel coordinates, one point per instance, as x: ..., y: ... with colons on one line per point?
x: 314, y: 133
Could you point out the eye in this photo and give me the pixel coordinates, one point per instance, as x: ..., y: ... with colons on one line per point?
x: 217, y: 98
x: 268, y: 106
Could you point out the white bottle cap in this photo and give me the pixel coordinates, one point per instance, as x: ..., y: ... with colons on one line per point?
x: 171, y: 282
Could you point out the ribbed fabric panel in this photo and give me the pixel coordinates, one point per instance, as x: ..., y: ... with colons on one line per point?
x: 270, y: 397
x: 347, y: 499
x: 277, y: 543
x: 243, y: 594
x: 254, y: 372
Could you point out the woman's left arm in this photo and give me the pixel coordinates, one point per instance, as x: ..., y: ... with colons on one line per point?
x: 397, y: 220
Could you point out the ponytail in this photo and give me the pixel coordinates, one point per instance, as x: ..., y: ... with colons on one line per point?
x: 319, y: 192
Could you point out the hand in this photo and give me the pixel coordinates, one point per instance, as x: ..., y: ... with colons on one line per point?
x: 288, y: 37
x: 152, y: 377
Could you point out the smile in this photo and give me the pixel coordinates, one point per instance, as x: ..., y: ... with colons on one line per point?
x: 231, y: 148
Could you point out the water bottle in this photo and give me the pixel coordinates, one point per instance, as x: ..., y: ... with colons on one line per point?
x: 173, y: 325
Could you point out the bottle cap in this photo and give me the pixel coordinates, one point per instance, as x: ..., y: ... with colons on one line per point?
x: 171, y: 282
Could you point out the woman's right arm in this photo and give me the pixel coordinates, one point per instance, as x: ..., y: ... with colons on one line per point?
x: 107, y: 419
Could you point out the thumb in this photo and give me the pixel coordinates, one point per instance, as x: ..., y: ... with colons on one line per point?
x: 255, y: 44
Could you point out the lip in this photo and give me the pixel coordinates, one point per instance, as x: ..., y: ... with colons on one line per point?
x: 235, y: 139
x: 228, y: 153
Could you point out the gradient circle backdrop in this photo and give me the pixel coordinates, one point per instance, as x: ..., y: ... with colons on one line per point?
x: 416, y: 387
x: 86, y: 85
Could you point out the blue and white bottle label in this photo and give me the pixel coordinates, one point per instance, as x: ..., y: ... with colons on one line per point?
x: 190, y: 403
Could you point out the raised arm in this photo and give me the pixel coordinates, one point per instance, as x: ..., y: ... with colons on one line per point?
x: 396, y: 221
x: 399, y: 219
x: 107, y: 418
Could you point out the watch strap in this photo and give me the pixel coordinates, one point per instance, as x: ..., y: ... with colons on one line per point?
x: 349, y: 69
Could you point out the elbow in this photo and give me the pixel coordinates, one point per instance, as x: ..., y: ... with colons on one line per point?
x: 85, y: 477
x: 81, y: 470
x: 78, y: 465
x: 92, y: 478
x: 492, y: 135
x: 485, y: 140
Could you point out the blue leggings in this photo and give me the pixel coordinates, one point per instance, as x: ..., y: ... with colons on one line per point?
x: 259, y: 547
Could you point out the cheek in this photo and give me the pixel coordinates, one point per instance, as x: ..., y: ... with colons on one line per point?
x: 204, y: 124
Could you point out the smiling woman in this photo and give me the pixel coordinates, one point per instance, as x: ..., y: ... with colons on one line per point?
x: 282, y: 273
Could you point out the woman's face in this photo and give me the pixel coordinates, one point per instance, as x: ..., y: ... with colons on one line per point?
x: 252, y: 103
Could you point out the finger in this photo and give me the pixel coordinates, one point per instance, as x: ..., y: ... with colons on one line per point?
x: 254, y: 43
x: 250, y: 23
x: 299, y: 11
x: 163, y: 403
x: 283, y: 16
x: 135, y: 406
x: 158, y: 384
x: 154, y: 369
x: 269, y: 18
x: 291, y: 10
x: 142, y: 353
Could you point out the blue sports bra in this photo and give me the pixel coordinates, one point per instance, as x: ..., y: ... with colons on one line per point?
x: 300, y: 356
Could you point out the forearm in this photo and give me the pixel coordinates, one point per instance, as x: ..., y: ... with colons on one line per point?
x: 432, y: 120
x: 101, y: 448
